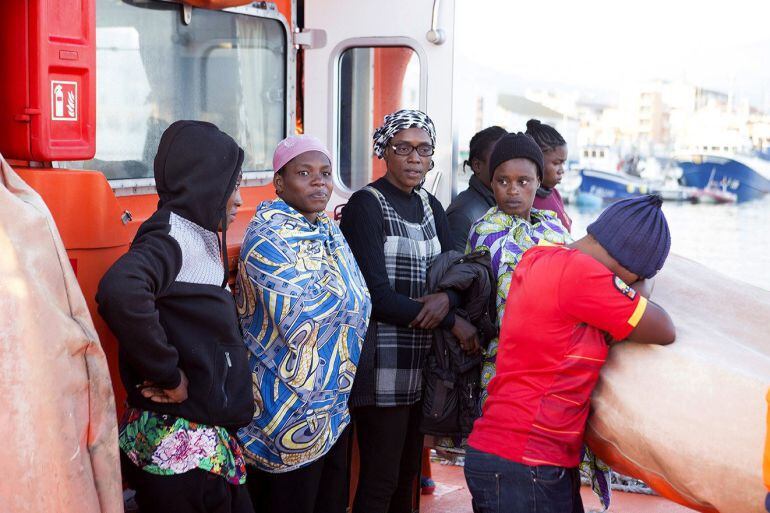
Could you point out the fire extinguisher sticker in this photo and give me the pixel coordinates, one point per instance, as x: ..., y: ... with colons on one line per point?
x: 64, y: 100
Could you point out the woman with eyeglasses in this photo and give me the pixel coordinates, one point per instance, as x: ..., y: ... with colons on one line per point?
x: 396, y: 230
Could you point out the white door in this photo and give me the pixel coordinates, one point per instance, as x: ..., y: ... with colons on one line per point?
x: 378, y: 58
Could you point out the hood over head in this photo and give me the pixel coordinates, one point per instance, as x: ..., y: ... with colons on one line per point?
x: 196, y: 169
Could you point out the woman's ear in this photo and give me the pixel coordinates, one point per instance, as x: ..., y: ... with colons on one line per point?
x: 278, y: 183
x: 476, y: 166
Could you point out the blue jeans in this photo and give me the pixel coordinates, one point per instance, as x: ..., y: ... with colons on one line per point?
x: 503, y: 486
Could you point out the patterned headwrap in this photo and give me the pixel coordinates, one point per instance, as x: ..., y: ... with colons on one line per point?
x: 398, y: 121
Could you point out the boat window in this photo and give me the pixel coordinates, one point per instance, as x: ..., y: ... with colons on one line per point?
x: 373, y: 82
x: 226, y: 68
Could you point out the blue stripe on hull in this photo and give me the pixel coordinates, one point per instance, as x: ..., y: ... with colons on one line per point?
x: 735, y: 177
x: 610, y: 186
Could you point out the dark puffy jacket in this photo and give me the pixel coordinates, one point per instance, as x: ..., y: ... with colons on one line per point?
x: 450, y: 400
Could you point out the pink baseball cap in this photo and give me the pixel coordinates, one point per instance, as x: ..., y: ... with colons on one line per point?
x: 295, y: 145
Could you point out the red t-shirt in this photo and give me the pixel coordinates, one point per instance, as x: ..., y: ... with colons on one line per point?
x: 552, y: 346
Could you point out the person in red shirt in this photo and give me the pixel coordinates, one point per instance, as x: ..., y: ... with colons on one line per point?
x: 566, y: 306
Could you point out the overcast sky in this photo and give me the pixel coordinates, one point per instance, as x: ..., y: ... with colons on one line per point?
x: 603, y: 45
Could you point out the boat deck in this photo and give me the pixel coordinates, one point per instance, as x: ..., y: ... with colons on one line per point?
x: 452, y: 496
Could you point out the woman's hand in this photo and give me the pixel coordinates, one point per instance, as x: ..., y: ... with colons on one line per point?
x: 467, y: 335
x: 434, y: 309
x: 161, y: 395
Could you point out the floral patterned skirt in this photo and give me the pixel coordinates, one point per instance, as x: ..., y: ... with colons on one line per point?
x: 166, y: 445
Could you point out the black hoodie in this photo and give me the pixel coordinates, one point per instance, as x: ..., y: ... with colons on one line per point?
x: 166, y: 300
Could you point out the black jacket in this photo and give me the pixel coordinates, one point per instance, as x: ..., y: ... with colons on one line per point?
x: 452, y: 377
x: 467, y: 208
x: 166, y: 300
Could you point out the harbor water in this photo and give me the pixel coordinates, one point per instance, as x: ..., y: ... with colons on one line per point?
x: 730, y: 239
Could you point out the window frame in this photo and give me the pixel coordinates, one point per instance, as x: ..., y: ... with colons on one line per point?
x: 334, y: 98
x: 139, y: 186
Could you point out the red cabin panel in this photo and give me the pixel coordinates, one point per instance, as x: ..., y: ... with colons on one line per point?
x: 48, y: 60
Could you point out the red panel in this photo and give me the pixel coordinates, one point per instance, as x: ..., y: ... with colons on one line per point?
x: 47, y: 60
x: 14, y: 87
x: 284, y: 7
x: 69, y: 23
x: 85, y: 209
x: 389, y: 69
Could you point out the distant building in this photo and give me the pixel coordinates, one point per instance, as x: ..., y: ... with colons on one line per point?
x: 673, y: 116
x: 759, y: 130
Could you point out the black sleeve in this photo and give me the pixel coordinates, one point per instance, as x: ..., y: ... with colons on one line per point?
x: 459, y: 226
x: 442, y: 226
x: 361, y: 224
x: 126, y: 299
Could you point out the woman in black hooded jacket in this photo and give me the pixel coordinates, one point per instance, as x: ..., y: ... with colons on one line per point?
x: 181, y: 353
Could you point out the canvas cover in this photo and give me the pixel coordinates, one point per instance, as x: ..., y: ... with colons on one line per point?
x: 59, y: 449
x: 690, y: 418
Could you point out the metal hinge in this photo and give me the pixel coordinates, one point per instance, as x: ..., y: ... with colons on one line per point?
x: 309, y: 38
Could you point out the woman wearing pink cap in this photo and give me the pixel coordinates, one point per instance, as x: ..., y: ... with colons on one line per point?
x: 304, y: 310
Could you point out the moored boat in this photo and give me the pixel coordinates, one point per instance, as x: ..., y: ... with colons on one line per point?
x: 746, y: 177
x: 606, y: 186
x: 611, y: 186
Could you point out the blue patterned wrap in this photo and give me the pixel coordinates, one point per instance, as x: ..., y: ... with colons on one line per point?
x: 304, y: 310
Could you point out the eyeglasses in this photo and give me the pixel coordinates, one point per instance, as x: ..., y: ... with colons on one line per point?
x: 404, y: 149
